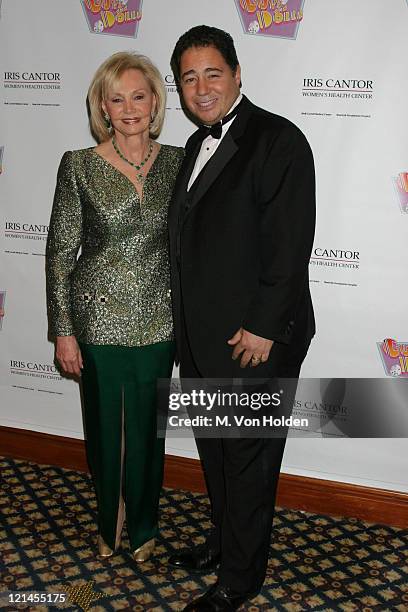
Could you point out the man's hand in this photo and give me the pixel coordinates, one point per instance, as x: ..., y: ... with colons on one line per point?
x: 68, y: 355
x: 254, y: 348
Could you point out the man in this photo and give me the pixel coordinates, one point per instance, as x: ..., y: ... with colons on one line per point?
x: 241, y: 228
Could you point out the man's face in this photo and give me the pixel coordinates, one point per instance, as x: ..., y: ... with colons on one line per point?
x: 208, y: 84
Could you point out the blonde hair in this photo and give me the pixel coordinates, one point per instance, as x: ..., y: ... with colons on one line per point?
x: 105, y: 79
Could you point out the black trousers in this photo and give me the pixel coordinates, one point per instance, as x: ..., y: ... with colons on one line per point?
x: 242, y: 476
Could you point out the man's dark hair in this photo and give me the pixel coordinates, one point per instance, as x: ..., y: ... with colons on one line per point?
x: 204, y: 36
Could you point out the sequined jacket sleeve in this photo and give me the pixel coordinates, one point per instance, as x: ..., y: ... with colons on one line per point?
x: 64, y: 240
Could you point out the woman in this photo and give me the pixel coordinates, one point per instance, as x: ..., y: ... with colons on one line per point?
x: 110, y: 309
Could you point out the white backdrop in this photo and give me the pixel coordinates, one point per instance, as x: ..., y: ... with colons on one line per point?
x: 337, y: 69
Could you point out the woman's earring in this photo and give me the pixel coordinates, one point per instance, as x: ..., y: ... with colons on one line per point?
x: 108, y: 121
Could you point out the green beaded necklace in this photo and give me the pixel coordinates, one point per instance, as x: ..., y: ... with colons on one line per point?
x: 140, y: 176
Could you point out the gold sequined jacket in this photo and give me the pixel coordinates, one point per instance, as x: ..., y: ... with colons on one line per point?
x: 118, y: 290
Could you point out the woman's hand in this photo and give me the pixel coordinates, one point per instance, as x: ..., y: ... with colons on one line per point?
x: 68, y: 354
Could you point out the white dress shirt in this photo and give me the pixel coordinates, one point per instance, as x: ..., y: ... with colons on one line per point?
x: 209, y: 147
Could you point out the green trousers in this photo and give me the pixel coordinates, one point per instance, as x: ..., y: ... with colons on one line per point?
x: 124, y: 454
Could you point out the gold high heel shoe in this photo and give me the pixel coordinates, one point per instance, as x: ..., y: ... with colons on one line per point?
x: 141, y: 554
x: 103, y: 548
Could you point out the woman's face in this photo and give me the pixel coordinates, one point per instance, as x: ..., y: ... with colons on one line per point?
x: 131, y: 104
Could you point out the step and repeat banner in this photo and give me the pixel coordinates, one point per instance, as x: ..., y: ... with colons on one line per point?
x: 337, y: 69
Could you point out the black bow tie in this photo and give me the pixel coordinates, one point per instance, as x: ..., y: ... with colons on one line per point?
x: 216, y: 130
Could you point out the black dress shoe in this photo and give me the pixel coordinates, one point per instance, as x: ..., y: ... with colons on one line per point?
x: 218, y: 598
x: 199, y: 559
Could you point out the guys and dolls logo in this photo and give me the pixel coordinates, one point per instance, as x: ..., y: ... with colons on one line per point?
x: 2, y: 302
x: 114, y: 17
x: 394, y: 356
x: 279, y: 18
x: 401, y: 187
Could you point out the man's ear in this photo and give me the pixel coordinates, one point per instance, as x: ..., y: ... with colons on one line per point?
x: 237, y: 75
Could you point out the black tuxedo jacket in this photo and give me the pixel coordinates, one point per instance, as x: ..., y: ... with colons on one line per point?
x: 241, y: 239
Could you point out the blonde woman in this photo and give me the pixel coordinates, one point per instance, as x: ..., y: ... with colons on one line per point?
x: 110, y: 309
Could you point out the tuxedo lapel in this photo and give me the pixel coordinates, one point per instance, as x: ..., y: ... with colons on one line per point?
x: 213, y: 168
x: 187, y: 167
x: 180, y: 189
x: 224, y: 153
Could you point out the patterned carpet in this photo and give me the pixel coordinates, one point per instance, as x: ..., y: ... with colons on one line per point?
x: 47, y: 544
